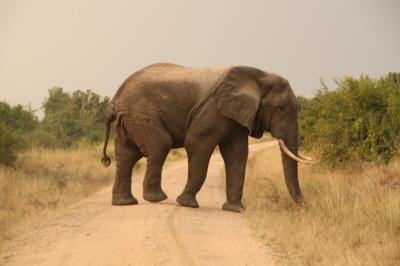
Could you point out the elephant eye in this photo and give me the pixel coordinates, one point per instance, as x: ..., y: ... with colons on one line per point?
x: 281, y: 108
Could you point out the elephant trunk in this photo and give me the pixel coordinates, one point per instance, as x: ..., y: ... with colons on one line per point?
x: 290, y: 169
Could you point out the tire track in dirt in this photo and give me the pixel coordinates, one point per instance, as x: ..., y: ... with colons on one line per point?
x: 184, y: 254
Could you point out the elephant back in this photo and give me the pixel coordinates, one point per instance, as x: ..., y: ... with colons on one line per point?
x: 169, y: 80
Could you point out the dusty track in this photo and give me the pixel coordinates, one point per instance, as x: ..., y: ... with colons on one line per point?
x: 93, y: 232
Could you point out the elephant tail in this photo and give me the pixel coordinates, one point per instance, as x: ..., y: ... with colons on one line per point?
x: 110, y: 117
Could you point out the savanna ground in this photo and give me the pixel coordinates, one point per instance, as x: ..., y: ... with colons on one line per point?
x: 353, y: 214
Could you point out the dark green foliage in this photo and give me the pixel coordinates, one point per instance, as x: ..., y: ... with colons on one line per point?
x: 16, y: 124
x: 360, y: 120
x: 8, y: 147
x: 71, y: 118
x: 17, y: 117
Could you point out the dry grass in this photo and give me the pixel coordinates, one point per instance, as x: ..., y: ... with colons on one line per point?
x: 44, y: 180
x: 48, y: 179
x: 353, y: 216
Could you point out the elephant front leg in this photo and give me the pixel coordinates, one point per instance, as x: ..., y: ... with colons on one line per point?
x: 199, y: 159
x: 235, y: 155
x: 126, y: 157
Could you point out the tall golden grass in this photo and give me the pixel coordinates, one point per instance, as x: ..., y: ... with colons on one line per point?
x: 353, y: 217
x: 45, y: 179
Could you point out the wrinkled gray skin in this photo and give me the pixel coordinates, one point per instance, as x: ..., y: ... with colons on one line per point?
x: 165, y: 106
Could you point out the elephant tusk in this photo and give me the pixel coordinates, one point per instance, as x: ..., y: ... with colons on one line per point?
x: 286, y: 150
x: 301, y: 156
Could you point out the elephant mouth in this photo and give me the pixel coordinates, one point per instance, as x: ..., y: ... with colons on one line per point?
x: 299, y: 158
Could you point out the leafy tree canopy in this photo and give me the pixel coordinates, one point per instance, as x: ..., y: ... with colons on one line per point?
x: 359, y: 120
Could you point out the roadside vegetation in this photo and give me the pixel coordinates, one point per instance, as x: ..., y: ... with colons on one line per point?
x: 43, y: 180
x: 54, y: 162
x: 68, y: 119
x: 353, y: 195
x: 50, y: 163
x: 357, y: 121
x: 353, y: 215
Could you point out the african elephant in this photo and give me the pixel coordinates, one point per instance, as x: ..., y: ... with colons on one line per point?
x: 165, y: 106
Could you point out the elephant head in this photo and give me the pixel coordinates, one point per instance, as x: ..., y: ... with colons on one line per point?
x: 261, y: 102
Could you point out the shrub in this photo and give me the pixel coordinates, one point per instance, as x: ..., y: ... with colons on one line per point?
x: 69, y: 118
x: 8, y: 147
x: 72, y: 117
x: 16, y: 123
x: 360, y: 120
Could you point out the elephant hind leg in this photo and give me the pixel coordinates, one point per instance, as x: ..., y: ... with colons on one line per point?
x: 127, y: 154
x: 156, y: 143
x: 152, y: 190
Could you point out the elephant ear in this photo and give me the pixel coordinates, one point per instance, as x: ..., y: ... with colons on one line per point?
x: 238, y: 95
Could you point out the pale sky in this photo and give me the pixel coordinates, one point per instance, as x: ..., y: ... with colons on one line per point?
x: 79, y: 44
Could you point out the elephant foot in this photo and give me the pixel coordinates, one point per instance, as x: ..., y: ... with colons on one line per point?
x: 121, y: 201
x: 186, y: 200
x: 233, y: 207
x: 154, y: 196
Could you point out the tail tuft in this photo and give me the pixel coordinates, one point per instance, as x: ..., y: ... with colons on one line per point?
x: 106, y: 161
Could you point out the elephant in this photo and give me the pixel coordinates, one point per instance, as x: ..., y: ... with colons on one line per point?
x: 165, y: 106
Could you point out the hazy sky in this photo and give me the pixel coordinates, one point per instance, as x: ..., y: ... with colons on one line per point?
x: 97, y: 44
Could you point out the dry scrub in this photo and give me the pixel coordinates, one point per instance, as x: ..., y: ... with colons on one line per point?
x: 48, y: 179
x: 353, y: 216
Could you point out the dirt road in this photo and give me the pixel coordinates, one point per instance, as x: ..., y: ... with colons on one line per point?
x: 93, y: 232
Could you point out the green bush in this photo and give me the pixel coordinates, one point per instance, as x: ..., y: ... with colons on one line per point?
x: 360, y: 120
x: 69, y: 119
x: 73, y: 117
x: 18, y: 117
x: 8, y: 147
x: 16, y: 123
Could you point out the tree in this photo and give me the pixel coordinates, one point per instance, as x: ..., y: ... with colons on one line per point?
x: 72, y: 117
x: 16, y: 124
x: 360, y: 120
